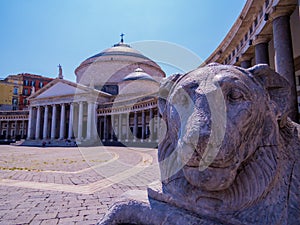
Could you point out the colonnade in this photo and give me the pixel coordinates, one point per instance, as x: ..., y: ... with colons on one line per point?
x: 283, y: 50
x: 62, y: 121
x: 80, y: 121
x: 137, y: 126
x: 13, y: 129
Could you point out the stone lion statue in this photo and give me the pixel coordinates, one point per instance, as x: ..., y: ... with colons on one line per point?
x: 230, y: 155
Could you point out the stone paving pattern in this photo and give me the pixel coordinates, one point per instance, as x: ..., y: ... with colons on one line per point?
x: 69, y: 185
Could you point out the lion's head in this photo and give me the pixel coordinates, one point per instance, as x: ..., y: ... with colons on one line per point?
x: 230, y: 154
x: 222, y: 125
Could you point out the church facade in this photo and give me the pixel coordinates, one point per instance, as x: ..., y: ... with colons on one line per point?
x: 113, y: 100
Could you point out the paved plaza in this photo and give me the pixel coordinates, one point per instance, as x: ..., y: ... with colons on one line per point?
x: 69, y: 185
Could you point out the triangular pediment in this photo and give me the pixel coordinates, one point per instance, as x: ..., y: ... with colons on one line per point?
x: 58, y: 87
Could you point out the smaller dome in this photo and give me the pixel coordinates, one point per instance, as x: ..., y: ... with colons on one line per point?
x: 138, y: 74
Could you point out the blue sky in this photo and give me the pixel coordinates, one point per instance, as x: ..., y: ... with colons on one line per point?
x: 37, y: 35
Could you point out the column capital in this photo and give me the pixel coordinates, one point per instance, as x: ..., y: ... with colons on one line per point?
x: 282, y: 10
x: 262, y: 38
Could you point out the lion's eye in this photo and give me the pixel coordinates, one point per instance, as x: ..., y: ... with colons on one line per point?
x: 235, y: 95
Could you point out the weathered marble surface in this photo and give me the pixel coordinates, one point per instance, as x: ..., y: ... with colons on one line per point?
x: 230, y: 155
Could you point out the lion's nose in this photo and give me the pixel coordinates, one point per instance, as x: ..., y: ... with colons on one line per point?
x: 198, y: 135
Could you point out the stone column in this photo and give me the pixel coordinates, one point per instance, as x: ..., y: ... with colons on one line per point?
x: 135, y: 126
x: 262, y: 49
x: 143, y: 125
x: 29, y: 128
x: 89, y: 120
x: 95, y: 120
x: 16, y: 128
x: 151, y: 128
x: 80, y: 120
x: 246, y: 59
x: 112, y: 127
x: 45, y: 128
x: 120, y: 128
x: 246, y: 64
x: 62, y: 121
x: 38, y: 123
x: 23, y: 128
x: 53, y: 122
x: 127, y: 126
x: 71, y: 119
x: 7, y: 130
x: 284, y: 59
x: 104, y: 128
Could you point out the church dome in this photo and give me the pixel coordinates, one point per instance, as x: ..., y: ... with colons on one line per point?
x: 138, y: 74
x: 137, y: 83
x: 120, y: 49
x: 110, y: 66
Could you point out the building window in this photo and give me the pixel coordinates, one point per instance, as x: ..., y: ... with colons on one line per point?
x: 41, y: 84
x: 267, y: 3
x: 251, y: 30
x: 246, y: 36
x: 15, y: 101
x: 25, y: 91
x: 15, y: 90
x: 111, y: 89
x: 33, y: 83
x: 26, y: 82
x: 25, y: 102
x: 255, y: 22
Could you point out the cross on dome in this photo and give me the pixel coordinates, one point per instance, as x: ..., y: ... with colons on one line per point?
x: 122, y: 39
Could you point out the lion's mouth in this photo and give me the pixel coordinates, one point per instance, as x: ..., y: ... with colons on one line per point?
x: 191, y: 158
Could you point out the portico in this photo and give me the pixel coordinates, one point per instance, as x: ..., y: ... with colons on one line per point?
x: 70, y: 115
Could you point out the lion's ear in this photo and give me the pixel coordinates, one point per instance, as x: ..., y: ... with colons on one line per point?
x: 276, y: 85
x: 166, y: 85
